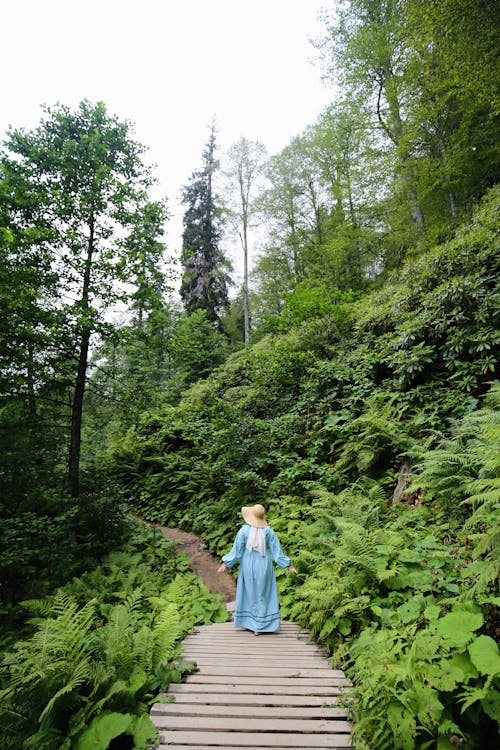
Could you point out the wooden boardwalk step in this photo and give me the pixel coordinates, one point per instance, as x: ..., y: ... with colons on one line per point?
x: 215, y: 679
x: 276, y: 691
x: 278, y: 712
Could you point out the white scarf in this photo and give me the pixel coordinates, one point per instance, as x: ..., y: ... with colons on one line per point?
x: 257, y: 541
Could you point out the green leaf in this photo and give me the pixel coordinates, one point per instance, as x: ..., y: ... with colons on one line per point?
x: 144, y: 731
x: 484, y: 655
x: 103, y: 729
x: 458, y: 627
x: 491, y: 705
x: 411, y: 610
x: 462, y: 661
x: 444, y: 675
x: 344, y: 625
x: 429, y: 707
x: 403, y: 725
x: 138, y: 678
x: 327, y: 628
x: 432, y: 612
x: 445, y: 744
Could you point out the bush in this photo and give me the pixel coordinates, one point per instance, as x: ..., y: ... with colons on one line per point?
x: 101, y: 649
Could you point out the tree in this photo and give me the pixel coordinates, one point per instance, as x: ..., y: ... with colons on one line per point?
x: 205, y: 279
x: 89, y: 179
x: 129, y: 369
x: 453, y: 68
x: 428, y: 69
x: 365, y: 51
x: 320, y: 208
x: 292, y: 205
x: 144, y: 256
x: 246, y: 161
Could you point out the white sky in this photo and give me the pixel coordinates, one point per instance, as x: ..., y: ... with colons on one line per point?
x: 169, y: 66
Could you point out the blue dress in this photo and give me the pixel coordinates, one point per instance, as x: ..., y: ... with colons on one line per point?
x: 257, y: 605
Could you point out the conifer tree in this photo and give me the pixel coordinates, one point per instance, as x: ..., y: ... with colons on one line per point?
x: 205, y: 278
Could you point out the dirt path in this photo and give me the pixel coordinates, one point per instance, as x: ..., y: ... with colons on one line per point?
x: 202, y: 562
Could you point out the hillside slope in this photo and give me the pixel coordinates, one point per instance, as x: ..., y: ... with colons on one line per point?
x: 321, y: 425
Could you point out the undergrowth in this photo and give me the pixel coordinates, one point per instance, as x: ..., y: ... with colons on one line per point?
x: 322, y: 425
x: 95, y: 654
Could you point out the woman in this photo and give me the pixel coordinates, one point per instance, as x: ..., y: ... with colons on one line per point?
x: 256, y: 545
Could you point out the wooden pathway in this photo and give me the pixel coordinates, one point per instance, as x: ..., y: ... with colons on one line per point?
x: 271, y: 691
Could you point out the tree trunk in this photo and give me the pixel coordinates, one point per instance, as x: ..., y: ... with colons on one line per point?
x: 76, y: 417
x: 246, y: 314
x: 395, y: 133
x: 31, y: 381
x: 400, y: 491
x: 316, y: 206
x: 450, y: 195
x: 79, y: 392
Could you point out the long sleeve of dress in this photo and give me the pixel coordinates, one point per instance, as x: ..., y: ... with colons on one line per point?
x: 281, y: 560
x: 237, y: 549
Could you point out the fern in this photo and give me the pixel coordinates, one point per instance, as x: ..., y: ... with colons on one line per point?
x: 85, y: 658
x: 166, y: 631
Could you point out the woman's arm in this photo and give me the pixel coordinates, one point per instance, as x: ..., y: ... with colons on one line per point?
x: 232, y: 557
x: 281, y: 560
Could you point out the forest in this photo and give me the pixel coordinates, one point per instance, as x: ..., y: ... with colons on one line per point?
x: 350, y: 385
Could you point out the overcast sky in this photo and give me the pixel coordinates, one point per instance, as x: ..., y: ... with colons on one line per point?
x: 169, y: 66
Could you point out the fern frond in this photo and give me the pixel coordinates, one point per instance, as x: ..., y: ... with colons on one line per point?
x: 79, y: 676
x: 166, y: 631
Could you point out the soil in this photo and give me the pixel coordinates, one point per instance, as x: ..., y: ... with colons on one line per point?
x: 202, y: 562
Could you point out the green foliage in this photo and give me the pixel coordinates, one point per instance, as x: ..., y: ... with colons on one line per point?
x: 195, y: 349
x: 44, y: 549
x: 109, y: 725
x: 82, y: 236
x: 98, y: 651
x: 320, y: 424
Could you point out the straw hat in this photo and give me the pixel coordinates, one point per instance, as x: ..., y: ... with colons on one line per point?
x: 254, y: 515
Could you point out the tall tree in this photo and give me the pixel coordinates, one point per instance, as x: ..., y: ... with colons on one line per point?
x: 206, y: 271
x: 32, y: 344
x: 453, y: 69
x: 89, y: 177
x: 129, y: 369
x: 364, y: 51
x: 246, y: 162
x: 429, y: 69
x: 144, y: 258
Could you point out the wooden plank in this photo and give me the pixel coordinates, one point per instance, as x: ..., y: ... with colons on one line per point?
x: 237, y: 724
x: 263, y: 689
x: 228, y: 624
x: 175, y: 746
x: 254, y: 739
x: 226, y: 628
x: 253, y: 647
x: 254, y: 712
x: 200, y: 677
x: 256, y: 662
x: 249, y: 637
x: 297, y: 672
x: 247, y: 698
x: 258, y: 659
x: 245, y: 633
x: 231, y: 630
x: 243, y: 654
x: 200, y: 644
